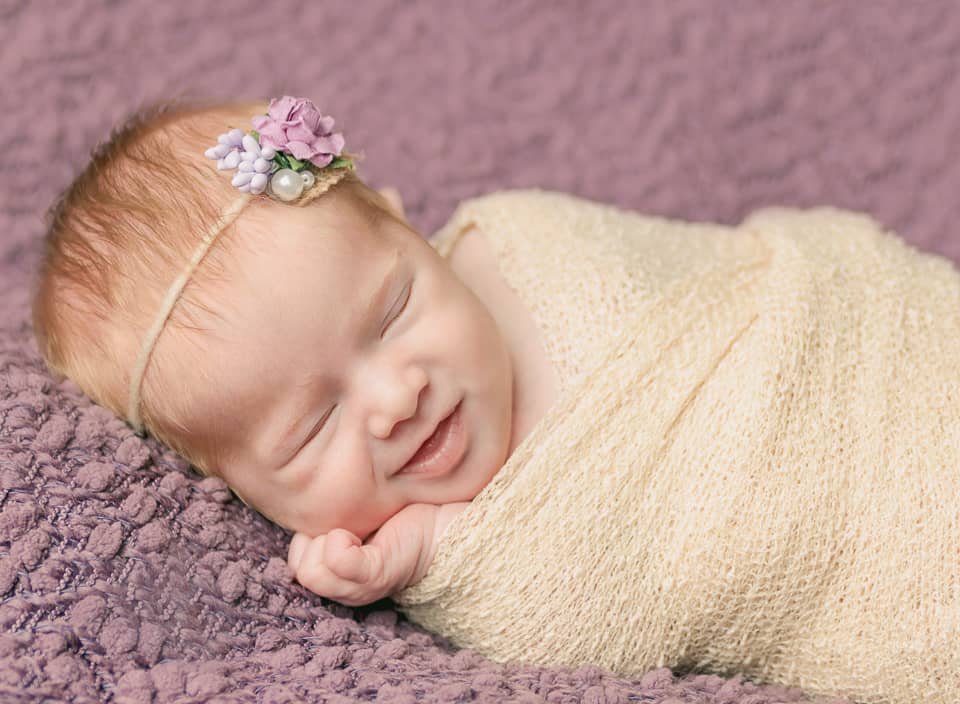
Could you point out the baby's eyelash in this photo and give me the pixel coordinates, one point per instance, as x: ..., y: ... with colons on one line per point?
x: 323, y: 420
x: 406, y: 300
x: 314, y: 432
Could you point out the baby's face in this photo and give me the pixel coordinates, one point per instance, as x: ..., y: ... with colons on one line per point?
x: 342, y: 348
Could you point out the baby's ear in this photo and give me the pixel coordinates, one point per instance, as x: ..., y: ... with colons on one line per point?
x: 393, y: 199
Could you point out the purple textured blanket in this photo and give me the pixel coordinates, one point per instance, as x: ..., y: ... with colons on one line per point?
x: 125, y: 577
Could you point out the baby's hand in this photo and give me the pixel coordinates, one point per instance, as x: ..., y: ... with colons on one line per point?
x: 339, y: 566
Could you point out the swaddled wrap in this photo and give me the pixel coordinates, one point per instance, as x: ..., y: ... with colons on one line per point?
x: 754, y: 464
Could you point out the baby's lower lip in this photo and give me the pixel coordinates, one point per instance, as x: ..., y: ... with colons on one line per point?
x: 441, y: 452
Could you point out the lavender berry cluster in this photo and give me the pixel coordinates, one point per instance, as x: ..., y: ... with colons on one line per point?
x: 281, y: 153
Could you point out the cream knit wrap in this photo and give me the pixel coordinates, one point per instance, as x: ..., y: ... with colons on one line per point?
x: 754, y: 465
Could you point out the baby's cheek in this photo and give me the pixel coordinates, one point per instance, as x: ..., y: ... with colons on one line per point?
x: 475, y: 330
x: 365, y: 519
x: 485, y: 344
x: 353, y: 503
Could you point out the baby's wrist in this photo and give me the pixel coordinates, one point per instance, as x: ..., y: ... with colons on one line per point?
x: 400, y: 541
x: 441, y: 517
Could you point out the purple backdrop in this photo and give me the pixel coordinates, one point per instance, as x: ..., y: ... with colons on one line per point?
x: 124, y: 577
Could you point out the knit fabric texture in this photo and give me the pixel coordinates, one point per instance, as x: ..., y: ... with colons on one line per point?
x: 756, y: 467
x: 696, y: 110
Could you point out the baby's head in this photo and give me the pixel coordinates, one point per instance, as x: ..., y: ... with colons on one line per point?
x: 311, y: 352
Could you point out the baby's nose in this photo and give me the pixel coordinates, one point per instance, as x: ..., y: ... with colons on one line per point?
x: 395, y: 403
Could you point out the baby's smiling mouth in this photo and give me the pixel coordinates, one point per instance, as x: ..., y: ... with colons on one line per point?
x: 439, y: 452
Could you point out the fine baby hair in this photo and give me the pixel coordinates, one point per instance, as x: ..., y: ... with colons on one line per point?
x: 136, y: 246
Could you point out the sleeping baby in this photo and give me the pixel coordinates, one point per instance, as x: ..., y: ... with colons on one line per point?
x: 339, y: 374
x: 559, y: 432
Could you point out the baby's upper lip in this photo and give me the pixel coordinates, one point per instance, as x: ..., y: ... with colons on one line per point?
x: 432, y: 428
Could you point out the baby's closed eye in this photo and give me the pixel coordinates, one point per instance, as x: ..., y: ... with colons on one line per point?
x: 399, y: 307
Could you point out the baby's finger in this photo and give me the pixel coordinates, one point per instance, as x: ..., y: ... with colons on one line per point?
x: 317, y: 576
x: 298, y: 544
x: 345, y: 556
x: 313, y: 573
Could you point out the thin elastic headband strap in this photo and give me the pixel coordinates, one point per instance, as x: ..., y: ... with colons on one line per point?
x: 228, y: 216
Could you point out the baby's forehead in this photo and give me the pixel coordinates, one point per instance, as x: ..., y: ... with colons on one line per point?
x: 303, y: 265
x: 335, y: 229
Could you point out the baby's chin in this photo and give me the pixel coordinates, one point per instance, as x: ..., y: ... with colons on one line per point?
x: 363, y: 527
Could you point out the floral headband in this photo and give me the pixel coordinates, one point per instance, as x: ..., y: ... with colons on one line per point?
x: 292, y: 154
x: 289, y: 146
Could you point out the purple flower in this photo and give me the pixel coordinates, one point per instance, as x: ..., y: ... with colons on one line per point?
x: 296, y: 126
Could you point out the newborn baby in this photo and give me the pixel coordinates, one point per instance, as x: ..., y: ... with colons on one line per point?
x: 645, y: 442
x: 340, y: 375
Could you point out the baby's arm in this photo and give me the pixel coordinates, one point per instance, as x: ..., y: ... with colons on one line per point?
x: 339, y: 566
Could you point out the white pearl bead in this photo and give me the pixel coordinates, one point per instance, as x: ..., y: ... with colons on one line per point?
x: 286, y: 184
x: 308, y: 178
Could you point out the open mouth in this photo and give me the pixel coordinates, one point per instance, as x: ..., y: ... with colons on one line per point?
x: 440, y: 452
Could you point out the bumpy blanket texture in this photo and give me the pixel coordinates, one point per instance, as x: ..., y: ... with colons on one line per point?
x: 124, y: 576
x: 758, y: 470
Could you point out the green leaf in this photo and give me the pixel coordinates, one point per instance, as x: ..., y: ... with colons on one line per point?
x: 340, y: 163
x: 295, y: 163
x: 255, y: 135
x: 281, y: 159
